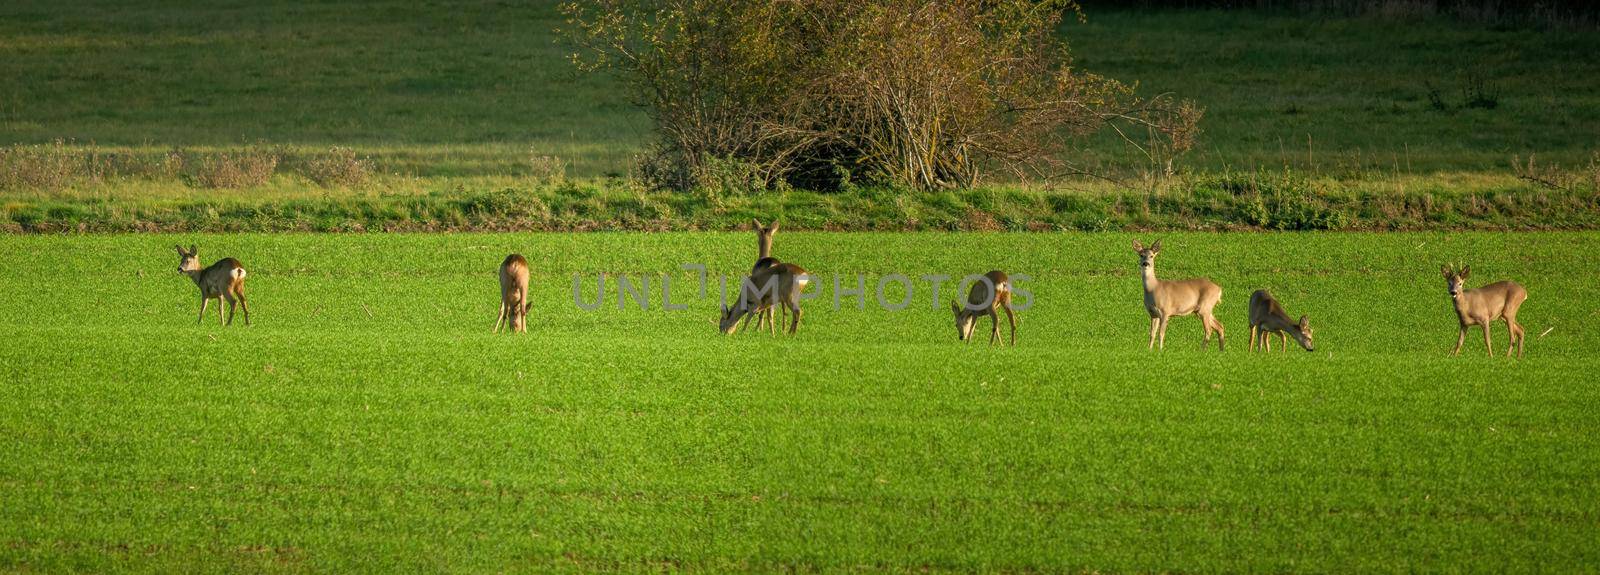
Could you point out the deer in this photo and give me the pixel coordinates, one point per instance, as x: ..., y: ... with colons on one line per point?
x: 513, y: 294
x: 222, y: 281
x: 764, y: 259
x: 1482, y: 306
x: 994, y: 292
x: 780, y: 284
x: 1267, y: 318
x: 1166, y: 299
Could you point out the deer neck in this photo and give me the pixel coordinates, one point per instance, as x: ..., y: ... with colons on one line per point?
x: 1150, y: 281
x: 763, y: 248
x: 194, y: 275
x: 1459, y: 301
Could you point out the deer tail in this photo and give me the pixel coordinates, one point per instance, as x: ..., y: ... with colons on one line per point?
x: 238, y: 273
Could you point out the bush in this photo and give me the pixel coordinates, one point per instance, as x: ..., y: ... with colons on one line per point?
x: 247, y: 168
x: 338, y: 167
x: 45, y: 167
x: 910, y: 92
x: 547, y: 171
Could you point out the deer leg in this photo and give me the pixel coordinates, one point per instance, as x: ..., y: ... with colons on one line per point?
x: 1153, y: 323
x: 1461, y: 338
x: 203, y: 302
x: 1222, y: 337
x: 500, y: 318
x: 233, y: 308
x: 1489, y: 347
x: 1206, y: 325
x: 1163, y: 340
x: 239, y: 293
x: 1284, y: 340
x: 1011, y: 318
x: 1511, y: 332
x: 1252, y: 338
x: 221, y: 319
x: 794, y: 325
x: 994, y: 326
x: 1521, y: 335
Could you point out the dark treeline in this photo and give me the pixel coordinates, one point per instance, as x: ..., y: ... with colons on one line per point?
x: 1488, y: 11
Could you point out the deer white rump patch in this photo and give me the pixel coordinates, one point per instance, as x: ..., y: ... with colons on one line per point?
x: 238, y: 273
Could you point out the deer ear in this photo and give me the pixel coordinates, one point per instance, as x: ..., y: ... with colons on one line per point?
x: 1156, y: 247
x: 1445, y: 270
x: 1138, y: 246
x: 193, y: 250
x: 180, y: 249
x: 1466, y: 271
x: 757, y: 223
x: 1305, y: 321
x: 774, y: 228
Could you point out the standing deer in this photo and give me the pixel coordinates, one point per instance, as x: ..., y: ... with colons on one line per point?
x: 780, y: 284
x: 224, y: 280
x: 764, y: 259
x: 1165, y: 299
x: 1267, y: 318
x: 513, y: 294
x: 1499, y: 300
x: 982, y: 300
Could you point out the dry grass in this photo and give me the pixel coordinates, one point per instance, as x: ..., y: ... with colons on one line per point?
x: 338, y: 167
x: 245, y: 168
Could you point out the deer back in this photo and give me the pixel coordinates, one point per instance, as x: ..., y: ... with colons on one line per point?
x: 220, y: 277
x: 513, y: 277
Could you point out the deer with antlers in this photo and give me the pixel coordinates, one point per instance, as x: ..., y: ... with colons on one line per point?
x: 1482, y: 306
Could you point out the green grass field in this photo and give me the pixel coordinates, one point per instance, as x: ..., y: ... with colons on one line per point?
x: 369, y: 422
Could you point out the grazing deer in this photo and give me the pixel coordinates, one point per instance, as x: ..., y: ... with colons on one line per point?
x: 982, y: 300
x: 1165, y: 299
x: 780, y: 284
x: 1499, y: 300
x: 224, y: 280
x: 1267, y: 317
x: 513, y: 294
x: 764, y: 259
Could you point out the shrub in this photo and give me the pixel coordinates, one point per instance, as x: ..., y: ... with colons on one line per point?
x: 547, y: 170
x: 246, y: 168
x: 45, y: 167
x: 912, y: 92
x: 339, y: 166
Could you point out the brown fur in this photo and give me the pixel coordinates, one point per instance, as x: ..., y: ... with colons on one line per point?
x: 1267, y: 318
x: 513, y: 294
x: 221, y: 281
x: 982, y: 300
x: 1166, y: 299
x: 788, y: 281
x: 1482, y: 306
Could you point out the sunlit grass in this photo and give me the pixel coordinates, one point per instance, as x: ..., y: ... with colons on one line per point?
x: 369, y: 422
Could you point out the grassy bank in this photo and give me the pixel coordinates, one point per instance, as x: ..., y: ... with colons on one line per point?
x: 1226, y: 201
